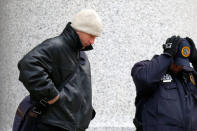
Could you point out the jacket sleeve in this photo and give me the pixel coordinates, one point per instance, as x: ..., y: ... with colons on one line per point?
x: 35, y: 69
x: 146, y: 74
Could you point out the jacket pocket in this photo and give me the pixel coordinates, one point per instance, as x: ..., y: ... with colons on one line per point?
x: 169, y: 112
x: 169, y: 109
x: 169, y: 91
x: 72, y: 94
x: 69, y: 102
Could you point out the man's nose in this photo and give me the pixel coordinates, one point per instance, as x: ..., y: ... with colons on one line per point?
x: 92, y: 41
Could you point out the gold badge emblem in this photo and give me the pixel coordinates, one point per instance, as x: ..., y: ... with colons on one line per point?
x: 185, y: 51
x: 192, y: 79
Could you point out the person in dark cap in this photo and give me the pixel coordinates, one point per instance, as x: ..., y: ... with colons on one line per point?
x: 166, y: 91
x: 57, y: 71
x: 181, y: 60
x: 183, y: 54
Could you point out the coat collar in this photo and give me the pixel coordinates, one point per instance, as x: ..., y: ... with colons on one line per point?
x: 72, y: 34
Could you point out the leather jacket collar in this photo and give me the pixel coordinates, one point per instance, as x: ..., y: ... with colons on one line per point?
x: 77, y: 45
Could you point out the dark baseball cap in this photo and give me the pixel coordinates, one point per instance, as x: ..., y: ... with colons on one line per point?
x: 183, y: 54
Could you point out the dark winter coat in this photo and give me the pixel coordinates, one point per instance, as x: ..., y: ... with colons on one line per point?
x: 165, y: 101
x: 47, y: 66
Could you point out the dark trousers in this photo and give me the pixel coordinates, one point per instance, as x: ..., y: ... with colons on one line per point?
x: 46, y: 127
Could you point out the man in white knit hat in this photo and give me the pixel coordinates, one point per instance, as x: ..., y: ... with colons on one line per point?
x: 57, y: 71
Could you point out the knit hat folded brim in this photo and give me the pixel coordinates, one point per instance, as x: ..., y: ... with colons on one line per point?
x: 88, y: 21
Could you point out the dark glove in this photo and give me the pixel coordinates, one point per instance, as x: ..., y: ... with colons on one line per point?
x: 171, y: 45
x: 193, y: 55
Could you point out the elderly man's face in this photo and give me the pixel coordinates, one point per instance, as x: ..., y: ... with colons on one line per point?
x: 175, y: 68
x: 86, y: 39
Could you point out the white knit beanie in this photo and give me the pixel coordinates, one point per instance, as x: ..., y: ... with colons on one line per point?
x: 88, y: 21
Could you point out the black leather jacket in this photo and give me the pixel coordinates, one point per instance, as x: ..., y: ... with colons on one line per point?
x: 47, y: 66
